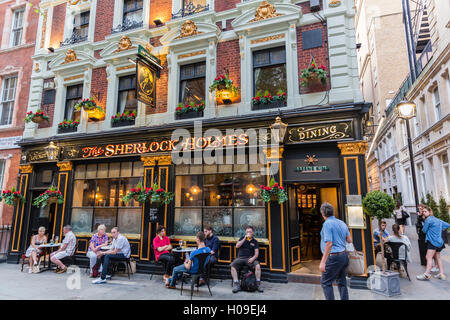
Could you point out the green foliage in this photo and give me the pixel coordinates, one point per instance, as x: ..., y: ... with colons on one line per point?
x: 443, y: 210
x: 10, y: 197
x: 42, y: 200
x: 432, y: 204
x: 379, y: 205
x: 273, y: 190
x: 266, y: 97
x: 190, y: 107
x: 223, y: 81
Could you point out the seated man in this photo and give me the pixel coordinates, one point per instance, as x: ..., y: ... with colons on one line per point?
x: 212, y: 242
x: 248, y: 253
x: 120, y: 250
x: 376, y: 237
x: 161, y: 247
x: 66, y: 250
x: 191, y: 264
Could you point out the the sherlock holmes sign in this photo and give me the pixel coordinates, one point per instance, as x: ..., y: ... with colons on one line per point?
x: 321, y: 132
x: 147, y: 70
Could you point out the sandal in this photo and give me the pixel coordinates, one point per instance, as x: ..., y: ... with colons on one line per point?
x: 423, y: 277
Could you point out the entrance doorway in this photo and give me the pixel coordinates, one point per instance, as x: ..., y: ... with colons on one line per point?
x: 305, y: 223
x: 41, y: 217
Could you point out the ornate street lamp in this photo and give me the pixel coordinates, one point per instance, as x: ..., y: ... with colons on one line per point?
x: 52, y: 151
x: 278, y: 130
x: 406, y: 109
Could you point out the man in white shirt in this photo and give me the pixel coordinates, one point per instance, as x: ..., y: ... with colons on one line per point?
x: 66, y: 250
x: 120, y: 250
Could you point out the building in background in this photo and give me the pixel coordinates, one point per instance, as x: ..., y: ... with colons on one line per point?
x: 427, y: 85
x: 18, y: 27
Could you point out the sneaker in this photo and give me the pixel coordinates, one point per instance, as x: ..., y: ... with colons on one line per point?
x: 30, y: 270
x: 434, y: 269
x: 36, y: 268
x: 98, y: 281
x: 440, y: 276
x: 108, y: 277
x: 236, y: 288
x: 423, y: 277
x: 258, y: 287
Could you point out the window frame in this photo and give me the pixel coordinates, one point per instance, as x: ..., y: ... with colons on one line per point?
x: 437, y: 103
x: 2, y: 172
x: 194, y: 77
x: 126, y: 11
x: 254, y: 66
x: 4, y: 101
x: 82, y: 24
x: 123, y: 90
x: 67, y: 98
x: 15, y: 28
x: 446, y: 173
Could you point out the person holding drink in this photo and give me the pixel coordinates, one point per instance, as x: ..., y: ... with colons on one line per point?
x: 248, y: 254
x: 161, y: 247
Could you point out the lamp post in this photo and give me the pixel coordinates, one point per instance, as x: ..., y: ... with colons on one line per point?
x: 407, y: 110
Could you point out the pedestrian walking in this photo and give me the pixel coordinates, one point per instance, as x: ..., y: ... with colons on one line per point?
x: 433, y: 228
x: 334, y: 263
x: 400, y: 215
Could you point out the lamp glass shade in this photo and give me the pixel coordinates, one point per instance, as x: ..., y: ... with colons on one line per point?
x: 52, y: 151
x: 278, y: 130
x: 406, y: 109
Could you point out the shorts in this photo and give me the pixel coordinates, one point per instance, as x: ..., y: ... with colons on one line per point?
x: 431, y: 247
x: 61, y: 255
x: 238, y: 263
x: 400, y: 222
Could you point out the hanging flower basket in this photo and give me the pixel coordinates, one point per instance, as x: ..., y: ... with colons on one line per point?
x: 11, y: 197
x: 51, y: 195
x: 154, y: 194
x: 225, y: 90
x: 160, y: 196
x: 138, y: 194
x: 37, y: 117
x: 273, y: 192
x: 314, y: 75
x: 88, y: 105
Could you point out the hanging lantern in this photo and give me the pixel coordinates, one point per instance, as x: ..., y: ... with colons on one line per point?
x: 52, y: 151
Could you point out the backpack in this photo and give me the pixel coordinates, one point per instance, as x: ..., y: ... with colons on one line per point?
x: 248, y: 282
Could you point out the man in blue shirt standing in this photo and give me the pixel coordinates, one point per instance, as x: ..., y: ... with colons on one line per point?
x: 433, y: 228
x: 191, y: 264
x: 334, y: 263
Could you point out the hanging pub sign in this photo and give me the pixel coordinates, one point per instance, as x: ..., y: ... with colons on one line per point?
x: 321, y: 132
x: 147, y: 70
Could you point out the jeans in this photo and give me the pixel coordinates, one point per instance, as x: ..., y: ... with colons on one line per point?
x: 168, y: 260
x: 106, y: 260
x: 335, y: 269
x: 212, y: 260
x: 177, y: 274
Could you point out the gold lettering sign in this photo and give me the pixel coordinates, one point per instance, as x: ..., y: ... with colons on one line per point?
x: 146, y: 83
x: 321, y: 132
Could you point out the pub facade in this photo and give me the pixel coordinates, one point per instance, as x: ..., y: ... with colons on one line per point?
x: 263, y: 47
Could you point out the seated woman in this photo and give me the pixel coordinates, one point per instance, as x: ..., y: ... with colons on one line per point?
x: 399, y: 238
x: 98, y: 240
x: 33, y: 250
x: 161, y: 247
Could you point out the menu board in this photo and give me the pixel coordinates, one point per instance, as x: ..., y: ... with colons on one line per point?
x: 153, y: 214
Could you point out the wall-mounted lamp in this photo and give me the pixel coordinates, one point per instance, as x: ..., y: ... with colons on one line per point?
x: 358, y: 45
x: 158, y: 22
x: 52, y: 151
x: 355, y: 216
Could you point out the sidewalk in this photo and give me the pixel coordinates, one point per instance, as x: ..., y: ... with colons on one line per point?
x: 18, y: 285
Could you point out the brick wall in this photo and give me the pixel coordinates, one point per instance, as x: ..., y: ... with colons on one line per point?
x: 161, y: 93
x: 7, y: 212
x: 320, y: 55
x: 99, y: 86
x: 48, y: 109
x: 104, y: 19
x: 306, y: 7
x: 57, y: 29
x: 160, y: 9
x: 222, y: 5
x: 228, y: 57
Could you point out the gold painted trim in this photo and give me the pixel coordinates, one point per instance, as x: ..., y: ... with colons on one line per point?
x: 231, y: 255
x: 73, y: 77
x: 149, y: 161
x: 346, y: 174
x: 192, y: 54
x: 164, y: 160
x: 265, y: 39
x: 353, y: 148
x: 266, y: 256
x: 265, y: 11
x: 126, y: 67
x: 274, y: 153
x: 71, y: 56
x: 293, y: 263
x: 142, y: 218
x: 139, y: 245
x: 26, y: 168
x: 65, y: 199
x: 87, y: 245
x: 21, y: 216
x: 124, y: 44
x: 188, y: 29
x: 64, y: 166
x: 222, y: 239
x: 89, y: 235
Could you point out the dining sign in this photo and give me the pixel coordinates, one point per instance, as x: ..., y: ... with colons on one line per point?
x: 321, y: 132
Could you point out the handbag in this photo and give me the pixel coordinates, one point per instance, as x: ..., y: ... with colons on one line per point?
x: 405, y: 214
x: 356, y: 263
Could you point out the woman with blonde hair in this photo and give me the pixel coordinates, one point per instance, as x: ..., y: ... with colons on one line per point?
x: 98, y: 240
x: 33, y: 250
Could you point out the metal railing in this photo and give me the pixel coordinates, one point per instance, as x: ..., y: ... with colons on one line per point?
x: 5, y: 236
x: 127, y: 25
x: 422, y: 61
x: 74, y: 38
x: 189, y: 9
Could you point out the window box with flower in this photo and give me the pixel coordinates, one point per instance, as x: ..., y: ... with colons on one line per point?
x: 126, y: 118
x: 36, y: 117
x: 267, y: 101
x: 68, y: 126
x: 189, y: 111
x: 11, y: 197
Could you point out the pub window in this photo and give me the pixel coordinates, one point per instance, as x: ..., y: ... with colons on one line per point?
x: 224, y: 196
x: 81, y: 25
x: 98, y: 190
x: 192, y: 83
x: 73, y: 95
x: 7, y: 100
x: 132, y: 11
x: 17, y: 27
x: 2, y: 172
x: 127, y: 94
x: 269, y: 70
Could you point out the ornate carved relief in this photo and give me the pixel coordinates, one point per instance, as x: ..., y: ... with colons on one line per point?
x: 274, y: 153
x: 188, y: 29
x: 64, y: 166
x: 187, y: 55
x: 124, y: 44
x: 149, y: 161
x: 71, y: 56
x: 28, y: 168
x: 334, y: 3
x: 278, y: 36
x: 265, y: 10
x: 353, y: 148
x: 164, y: 160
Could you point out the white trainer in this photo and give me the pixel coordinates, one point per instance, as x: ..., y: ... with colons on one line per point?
x: 98, y: 281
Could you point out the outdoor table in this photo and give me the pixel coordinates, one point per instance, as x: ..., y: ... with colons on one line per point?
x: 106, y: 248
x: 48, y: 249
x: 181, y: 250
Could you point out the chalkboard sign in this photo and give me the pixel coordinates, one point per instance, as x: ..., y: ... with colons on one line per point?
x: 153, y: 214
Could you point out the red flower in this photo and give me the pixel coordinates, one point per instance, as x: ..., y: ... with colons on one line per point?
x: 160, y: 190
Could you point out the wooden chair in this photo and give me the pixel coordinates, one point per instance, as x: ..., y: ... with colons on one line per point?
x: 26, y: 259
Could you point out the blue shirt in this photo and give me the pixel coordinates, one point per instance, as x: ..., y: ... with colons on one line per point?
x: 194, y: 265
x: 376, y: 233
x: 336, y: 231
x: 213, y: 243
x: 433, y: 228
